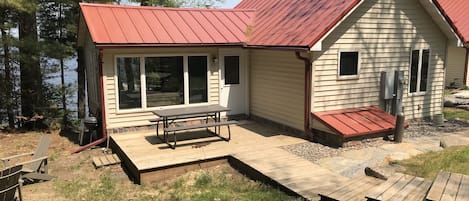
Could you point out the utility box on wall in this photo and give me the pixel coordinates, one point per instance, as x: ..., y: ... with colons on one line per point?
x: 387, y: 85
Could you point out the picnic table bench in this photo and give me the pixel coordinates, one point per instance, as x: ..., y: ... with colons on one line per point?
x: 171, y: 116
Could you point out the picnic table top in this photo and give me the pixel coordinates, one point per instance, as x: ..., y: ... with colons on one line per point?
x: 190, y: 110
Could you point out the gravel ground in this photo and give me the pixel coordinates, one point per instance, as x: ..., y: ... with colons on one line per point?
x: 315, y: 151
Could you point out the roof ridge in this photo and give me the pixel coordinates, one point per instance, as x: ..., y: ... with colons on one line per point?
x: 165, y: 8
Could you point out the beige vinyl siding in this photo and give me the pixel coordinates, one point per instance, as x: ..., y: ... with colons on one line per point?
x: 384, y: 32
x: 277, y: 87
x: 115, y: 119
x: 455, y: 66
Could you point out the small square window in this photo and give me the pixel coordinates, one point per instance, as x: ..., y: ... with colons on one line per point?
x: 349, y: 64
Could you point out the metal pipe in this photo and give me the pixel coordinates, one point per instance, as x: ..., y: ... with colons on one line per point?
x: 307, y: 99
x: 465, y: 67
x: 103, y: 111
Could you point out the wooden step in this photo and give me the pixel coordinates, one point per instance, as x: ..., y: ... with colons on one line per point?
x: 106, y: 160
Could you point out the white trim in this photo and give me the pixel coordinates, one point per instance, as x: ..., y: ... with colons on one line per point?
x: 359, y: 61
x: 318, y: 45
x: 419, y: 72
x: 440, y: 16
x: 144, y: 106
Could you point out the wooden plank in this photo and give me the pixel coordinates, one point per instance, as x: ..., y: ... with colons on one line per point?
x: 463, y: 193
x: 452, y: 187
x: 405, y: 192
x: 438, y: 187
x: 352, y: 191
x: 420, y: 192
x: 97, y: 162
x: 338, y: 125
x: 376, y: 192
x: 355, y: 124
x: 342, y: 186
x: 360, y: 193
x: 343, y: 192
x: 398, y: 186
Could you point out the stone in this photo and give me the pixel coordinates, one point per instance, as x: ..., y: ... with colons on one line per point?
x: 454, y: 140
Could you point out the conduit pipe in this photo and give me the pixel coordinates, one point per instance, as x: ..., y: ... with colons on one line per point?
x: 307, y: 92
x: 103, y: 109
x: 465, y: 67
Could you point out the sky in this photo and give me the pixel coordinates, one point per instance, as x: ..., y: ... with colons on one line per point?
x: 229, y: 3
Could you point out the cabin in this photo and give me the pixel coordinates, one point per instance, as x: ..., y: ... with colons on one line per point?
x: 457, y: 65
x: 312, y: 66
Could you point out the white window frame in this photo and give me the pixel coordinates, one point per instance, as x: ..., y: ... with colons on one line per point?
x: 143, y: 86
x: 419, y: 72
x: 349, y: 77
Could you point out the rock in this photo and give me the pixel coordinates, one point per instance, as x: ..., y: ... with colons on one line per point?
x: 454, y: 140
x: 464, y: 107
x: 449, y: 103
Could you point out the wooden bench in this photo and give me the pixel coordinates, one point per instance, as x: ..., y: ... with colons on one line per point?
x: 449, y: 186
x: 197, y: 126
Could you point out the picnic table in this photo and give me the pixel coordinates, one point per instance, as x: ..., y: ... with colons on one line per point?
x: 169, y: 117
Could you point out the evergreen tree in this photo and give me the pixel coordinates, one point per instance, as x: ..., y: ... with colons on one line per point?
x: 29, y: 59
x: 57, y: 30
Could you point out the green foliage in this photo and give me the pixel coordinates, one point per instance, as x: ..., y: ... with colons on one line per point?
x: 104, y: 189
x: 223, y: 186
x: 454, y: 159
x: 455, y: 113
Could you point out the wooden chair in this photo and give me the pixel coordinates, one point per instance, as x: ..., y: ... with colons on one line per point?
x: 9, y: 182
x: 36, y: 168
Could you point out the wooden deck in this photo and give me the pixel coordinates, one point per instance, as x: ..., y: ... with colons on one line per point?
x: 143, y: 154
x: 292, y: 172
x: 449, y: 187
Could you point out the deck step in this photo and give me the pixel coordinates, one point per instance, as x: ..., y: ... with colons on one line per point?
x: 106, y: 160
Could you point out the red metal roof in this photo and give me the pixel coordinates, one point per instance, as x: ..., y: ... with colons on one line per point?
x: 299, y: 23
x: 457, y: 11
x: 357, y: 121
x: 114, y: 24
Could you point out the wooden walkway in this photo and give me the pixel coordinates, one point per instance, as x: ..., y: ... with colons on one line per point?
x: 354, y: 189
x: 401, y: 187
x: 449, y: 187
x: 292, y: 172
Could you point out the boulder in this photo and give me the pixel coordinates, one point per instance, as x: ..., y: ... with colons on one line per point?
x: 454, y: 140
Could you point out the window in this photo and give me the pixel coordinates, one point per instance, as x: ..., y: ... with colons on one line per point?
x: 231, y: 70
x: 349, y: 64
x: 419, y: 64
x: 129, y: 85
x: 165, y: 80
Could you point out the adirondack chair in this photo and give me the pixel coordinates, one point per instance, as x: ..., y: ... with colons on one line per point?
x: 36, y: 168
x: 9, y: 182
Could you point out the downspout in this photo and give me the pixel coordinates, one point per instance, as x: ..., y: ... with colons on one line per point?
x: 103, y: 109
x: 307, y: 92
x: 465, y: 66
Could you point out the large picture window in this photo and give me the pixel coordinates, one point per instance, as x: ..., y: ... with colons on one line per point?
x: 419, y: 66
x: 165, y: 80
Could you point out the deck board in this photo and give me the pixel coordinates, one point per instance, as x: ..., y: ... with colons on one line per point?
x: 400, y: 187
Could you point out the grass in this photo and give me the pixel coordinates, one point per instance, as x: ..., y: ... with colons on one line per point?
x: 455, y: 113
x: 219, y: 185
x: 453, y: 159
